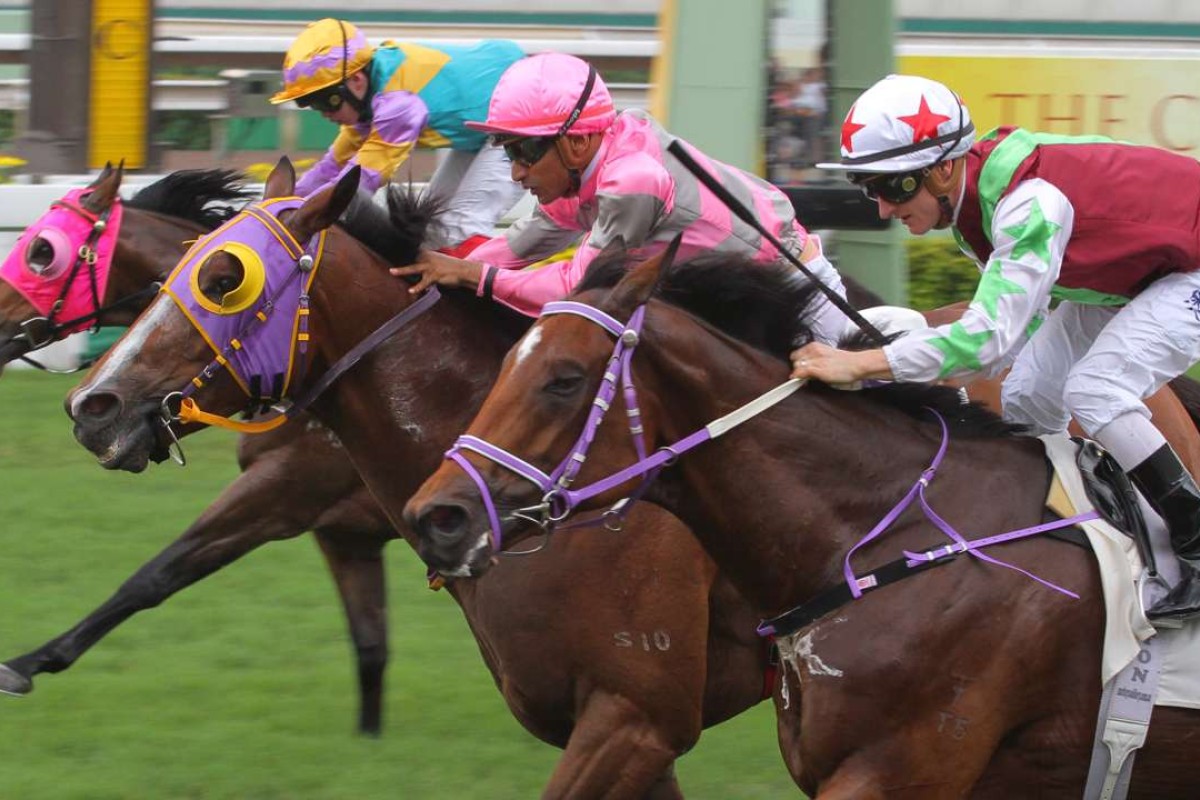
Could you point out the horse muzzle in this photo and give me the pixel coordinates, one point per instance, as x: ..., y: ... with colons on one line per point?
x: 119, y: 435
x: 453, y: 537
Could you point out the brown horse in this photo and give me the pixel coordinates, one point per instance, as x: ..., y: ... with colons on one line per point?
x: 618, y: 648
x: 964, y: 680
x: 259, y: 506
x: 733, y: 659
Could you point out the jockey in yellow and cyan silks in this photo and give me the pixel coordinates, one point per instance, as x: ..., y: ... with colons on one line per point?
x: 400, y: 95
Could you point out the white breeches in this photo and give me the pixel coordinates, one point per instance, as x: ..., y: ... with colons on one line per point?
x: 1097, y: 363
x: 476, y: 190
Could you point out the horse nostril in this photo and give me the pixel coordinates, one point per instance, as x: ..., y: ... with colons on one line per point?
x: 445, y: 524
x: 97, y: 407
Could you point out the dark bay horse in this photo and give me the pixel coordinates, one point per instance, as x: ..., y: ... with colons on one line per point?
x: 258, y: 507
x: 619, y: 648
x: 964, y: 680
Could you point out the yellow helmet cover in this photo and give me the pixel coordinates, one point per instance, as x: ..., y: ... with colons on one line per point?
x: 323, y: 55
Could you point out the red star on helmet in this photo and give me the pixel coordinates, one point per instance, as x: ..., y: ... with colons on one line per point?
x: 849, y: 128
x: 924, y: 123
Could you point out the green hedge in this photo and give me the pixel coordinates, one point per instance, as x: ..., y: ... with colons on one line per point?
x: 938, y: 274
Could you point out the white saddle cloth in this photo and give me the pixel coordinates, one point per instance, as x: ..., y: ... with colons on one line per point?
x: 1126, y: 625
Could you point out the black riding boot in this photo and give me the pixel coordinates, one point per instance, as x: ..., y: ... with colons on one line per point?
x: 1169, y: 488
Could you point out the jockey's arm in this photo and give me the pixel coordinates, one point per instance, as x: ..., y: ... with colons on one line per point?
x: 1030, y: 230
x: 329, y: 168
x: 396, y: 125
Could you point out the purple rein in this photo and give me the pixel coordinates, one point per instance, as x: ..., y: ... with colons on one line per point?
x: 559, y: 500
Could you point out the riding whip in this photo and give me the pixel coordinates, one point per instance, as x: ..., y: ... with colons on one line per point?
x: 676, y: 149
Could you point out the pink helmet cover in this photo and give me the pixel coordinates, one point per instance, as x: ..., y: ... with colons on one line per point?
x: 536, y: 95
x: 65, y: 228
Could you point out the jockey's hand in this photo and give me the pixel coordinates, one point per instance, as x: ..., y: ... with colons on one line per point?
x: 838, y: 367
x: 435, y: 267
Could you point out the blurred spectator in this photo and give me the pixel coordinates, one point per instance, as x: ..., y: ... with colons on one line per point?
x: 797, y: 113
x: 810, y: 110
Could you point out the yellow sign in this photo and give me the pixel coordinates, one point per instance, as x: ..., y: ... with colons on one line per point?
x: 119, y: 107
x: 1144, y: 101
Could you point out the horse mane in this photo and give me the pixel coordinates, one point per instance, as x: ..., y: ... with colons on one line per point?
x: 768, y: 307
x: 189, y: 194
x: 393, y: 233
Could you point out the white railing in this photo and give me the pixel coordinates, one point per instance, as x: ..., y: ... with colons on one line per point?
x: 212, y: 96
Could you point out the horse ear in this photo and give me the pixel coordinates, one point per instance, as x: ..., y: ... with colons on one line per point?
x: 325, y: 207
x: 104, y: 188
x: 641, y: 282
x: 282, y: 180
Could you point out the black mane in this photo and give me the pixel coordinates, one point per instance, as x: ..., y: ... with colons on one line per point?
x: 189, y: 194
x: 395, y: 233
x: 766, y: 306
x: 762, y: 305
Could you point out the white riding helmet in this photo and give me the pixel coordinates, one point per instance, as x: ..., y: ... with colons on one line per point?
x: 902, y: 124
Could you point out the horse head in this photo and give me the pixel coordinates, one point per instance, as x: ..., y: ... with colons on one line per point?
x: 93, y: 260
x: 524, y: 451
x: 231, y: 328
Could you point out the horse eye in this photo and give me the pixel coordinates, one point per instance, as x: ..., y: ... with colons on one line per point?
x: 563, y: 385
x: 39, y: 255
x: 230, y: 274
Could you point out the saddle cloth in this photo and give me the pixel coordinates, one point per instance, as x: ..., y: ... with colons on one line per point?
x: 1126, y: 625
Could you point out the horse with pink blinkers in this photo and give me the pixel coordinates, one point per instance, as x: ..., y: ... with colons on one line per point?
x: 59, y: 278
x: 153, y: 232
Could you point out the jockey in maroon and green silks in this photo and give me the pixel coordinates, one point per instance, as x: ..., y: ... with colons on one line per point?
x: 1111, y: 230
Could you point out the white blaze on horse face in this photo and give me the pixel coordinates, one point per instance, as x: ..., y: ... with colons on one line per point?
x: 126, y: 351
x: 528, y: 342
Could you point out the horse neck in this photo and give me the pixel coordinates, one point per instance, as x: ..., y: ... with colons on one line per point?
x: 148, y: 247
x: 779, y: 501
x: 400, y: 408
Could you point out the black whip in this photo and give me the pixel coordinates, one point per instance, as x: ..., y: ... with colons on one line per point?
x: 676, y: 149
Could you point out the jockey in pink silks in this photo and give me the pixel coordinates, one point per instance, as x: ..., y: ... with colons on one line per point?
x: 602, y: 178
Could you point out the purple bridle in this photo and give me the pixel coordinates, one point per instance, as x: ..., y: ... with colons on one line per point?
x: 264, y: 343
x: 559, y: 500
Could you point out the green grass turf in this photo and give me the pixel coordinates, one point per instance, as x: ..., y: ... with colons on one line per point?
x: 242, y: 686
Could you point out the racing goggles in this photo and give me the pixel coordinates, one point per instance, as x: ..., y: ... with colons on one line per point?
x: 324, y: 101
x: 894, y: 188
x: 525, y: 150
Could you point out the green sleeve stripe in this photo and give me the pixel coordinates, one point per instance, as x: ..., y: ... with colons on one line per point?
x: 1087, y: 297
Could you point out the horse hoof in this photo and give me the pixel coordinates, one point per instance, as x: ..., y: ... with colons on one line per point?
x: 14, y: 683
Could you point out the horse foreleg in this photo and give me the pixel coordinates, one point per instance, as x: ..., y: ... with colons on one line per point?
x: 851, y: 787
x: 356, y: 563
x: 247, y: 514
x: 616, y: 752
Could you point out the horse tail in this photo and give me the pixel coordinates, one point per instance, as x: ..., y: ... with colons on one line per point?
x: 1188, y: 392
